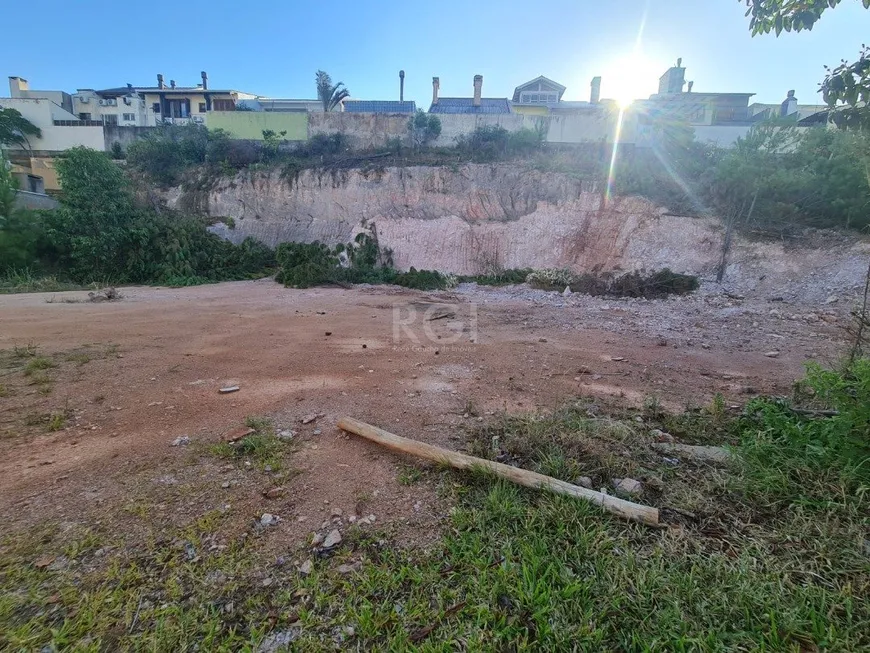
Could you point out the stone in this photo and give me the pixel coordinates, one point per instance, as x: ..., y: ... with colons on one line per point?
x: 285, y: 434
x: 333, y: 539
x: 268, y: 520
x: 584, y: 481
x: 660, y: 436
x: 225, y: 484
x: 181, y: 441
x: 306, y: 568
x: 771, y: 354
x: 628, y: 486
x: 566, y: 292
x: 832, y: 299
x: 335, y: 512
x: 229, y: 389
x: 273, y: 492
x: 706, y: 454
x: 348, y: 569
x: 308, y: 418
x: 238, y: 433
x: 317, y: 539
x: 266, y: 582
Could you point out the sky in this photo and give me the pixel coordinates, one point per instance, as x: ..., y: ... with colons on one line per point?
x: 273, y: 47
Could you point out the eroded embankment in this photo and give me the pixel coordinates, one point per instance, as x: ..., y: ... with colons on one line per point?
x: 471, y: 218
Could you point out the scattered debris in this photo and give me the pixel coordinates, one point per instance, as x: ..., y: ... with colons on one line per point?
x: 181, y: 441
x: 273, y: 492
x: 104, y: 295
x: 661, y: 436
x: 285, y: 434
x: 772, y: 354
x: 309, y: 418
x: 229, y: 389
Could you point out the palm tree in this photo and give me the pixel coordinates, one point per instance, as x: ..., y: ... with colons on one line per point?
x: 330, y: 95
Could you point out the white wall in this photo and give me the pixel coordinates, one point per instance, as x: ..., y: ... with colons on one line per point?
x: 721, y: 135
x: 43, y: 113
x: 92, y: 106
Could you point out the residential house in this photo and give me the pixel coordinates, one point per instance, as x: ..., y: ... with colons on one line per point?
x: 536, y: 96
x: 181, y: 105
x: 788, y: 108
x: 281, y: 105
x: 475, y: 105
x: 124, y: 106
x: 20, y: 88
x: 33, y: 163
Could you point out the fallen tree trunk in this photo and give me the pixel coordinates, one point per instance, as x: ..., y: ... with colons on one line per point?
x: 625, y: 509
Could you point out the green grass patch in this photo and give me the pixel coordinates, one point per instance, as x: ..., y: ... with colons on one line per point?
x: 38, y: 364
x: 261, y: 448
x: 27, y: 280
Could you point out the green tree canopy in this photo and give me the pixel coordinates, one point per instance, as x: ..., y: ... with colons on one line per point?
x: 329, y: 94
x: 848, y: 83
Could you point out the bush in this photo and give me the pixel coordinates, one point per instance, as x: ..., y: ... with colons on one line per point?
x: 323, y: 145
x: 165, y: 153
x: 423, y: 128
x: 815, y: 458
x: 634, y: 284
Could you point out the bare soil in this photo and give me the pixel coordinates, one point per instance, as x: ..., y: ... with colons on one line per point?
x: 135, y: 374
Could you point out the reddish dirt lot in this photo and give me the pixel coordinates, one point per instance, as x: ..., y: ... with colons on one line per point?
x: 159, y: 356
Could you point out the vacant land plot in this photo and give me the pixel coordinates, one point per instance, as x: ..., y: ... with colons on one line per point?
x: 145, y: 508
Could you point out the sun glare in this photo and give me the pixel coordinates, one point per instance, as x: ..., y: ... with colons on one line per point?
x: 630, y: 78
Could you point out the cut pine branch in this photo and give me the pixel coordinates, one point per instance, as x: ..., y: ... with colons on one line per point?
x: 625, y: 509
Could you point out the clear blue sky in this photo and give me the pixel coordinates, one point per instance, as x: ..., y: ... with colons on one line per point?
x: 272, y: 47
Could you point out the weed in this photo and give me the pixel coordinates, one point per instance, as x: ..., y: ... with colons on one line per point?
x: 409, y: 475
x: 38, y: 363
x: 27, y: 351
x: 4, y: 391
x: 56, y: 421
x: 262, y: 447
x: 39, y: 378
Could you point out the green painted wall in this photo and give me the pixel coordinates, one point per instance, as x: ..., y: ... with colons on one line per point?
x: 249, y: 125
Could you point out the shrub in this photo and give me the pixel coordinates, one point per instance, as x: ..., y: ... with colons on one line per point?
x: 322, y: 145
x: 165, y: 153
x: 634, y: 284
x: 423, y: 128
x: 550, y: 279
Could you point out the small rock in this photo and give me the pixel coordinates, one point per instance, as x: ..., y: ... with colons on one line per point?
x: 617, y: 359
x: 542, y: 340
x: 348, y: 569
x: 238, y: 433
x: 308, y: 418
x: 584, y: 481
x: 316, y: 432
x: 266, y: 582
x: 335, y: 512
x: 660, y: 436
x: 225, y: 484
x: 268, y: 520
x: 306, y: 568
x: 771, y: 354
x: 181, y: 441
x: 832, y: 299
x: 229, y: 389
x: 333, y: 539
x: 285, y: 434
x: 273, y: 492
x: 317, y: 539
x: 567, y: 291
x: 329, y: 333
x: 628, y: 486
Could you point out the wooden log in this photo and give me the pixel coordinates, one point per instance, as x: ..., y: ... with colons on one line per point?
x: 625, y: 509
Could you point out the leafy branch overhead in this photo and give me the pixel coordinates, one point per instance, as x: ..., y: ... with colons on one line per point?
x: 848, y: 83
x: 329, y: 94
x: 15, y: 128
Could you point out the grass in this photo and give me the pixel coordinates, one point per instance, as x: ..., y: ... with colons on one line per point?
x: 262, y: 447
x: 26, y: 280
x: 757, y: 567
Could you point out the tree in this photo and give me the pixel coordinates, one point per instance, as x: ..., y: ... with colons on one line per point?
x: 423, y: 128
x: 20, y: 230
x: 848, y: 83
x: 15, y: 128
x: 331, y: 95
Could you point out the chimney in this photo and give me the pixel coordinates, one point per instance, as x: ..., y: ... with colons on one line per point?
x: 691, y: 85
x: 129, y: 85
x: 436, y: 84
x: 160, y: 83
x: 595, y: 96
x: 171, y: 83
x: 401, y: 86
x: 789, y: 105
x: 17, y: 85
x: 204, y: 80
x: 478, y: 88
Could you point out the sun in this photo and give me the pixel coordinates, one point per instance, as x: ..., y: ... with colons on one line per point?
x: 629, y: 78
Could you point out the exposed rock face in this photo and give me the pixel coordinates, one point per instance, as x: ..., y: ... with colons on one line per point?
x: 473, y: 218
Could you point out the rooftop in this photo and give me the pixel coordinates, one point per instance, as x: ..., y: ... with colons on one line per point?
x: 379, y: 106
x: 466, y: 105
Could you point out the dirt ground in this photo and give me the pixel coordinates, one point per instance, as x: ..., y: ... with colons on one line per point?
x: 135, y: 374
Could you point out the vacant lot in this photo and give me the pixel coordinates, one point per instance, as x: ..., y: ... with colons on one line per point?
x: 115, y: 538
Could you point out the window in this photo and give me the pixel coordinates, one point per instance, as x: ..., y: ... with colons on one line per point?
x: 84, y: 116
x: 223, y: 105
x: 129, y: 117
x: 155, y: 107
x: 110, y: 119
x: 202, y: 107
